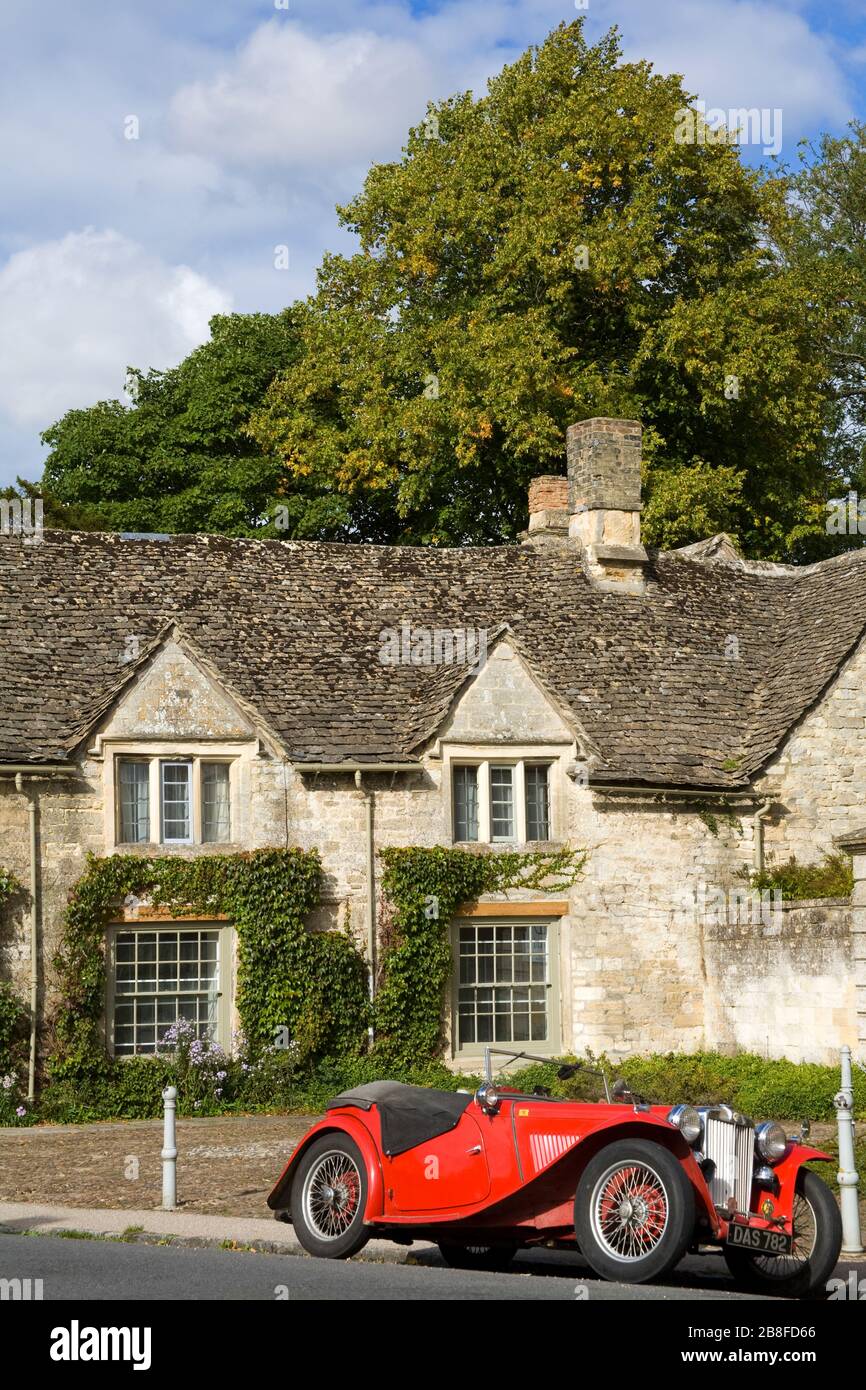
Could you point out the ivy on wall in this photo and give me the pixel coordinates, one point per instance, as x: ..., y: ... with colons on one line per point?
x: 311, y: 983
x: 9, y: 886
x: 423, y: 889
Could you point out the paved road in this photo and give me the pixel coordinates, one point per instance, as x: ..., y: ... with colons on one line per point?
x: 102, y: 1270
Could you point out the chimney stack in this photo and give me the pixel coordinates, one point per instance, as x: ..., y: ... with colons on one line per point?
x: 548, y: 509
x: 604, y: 502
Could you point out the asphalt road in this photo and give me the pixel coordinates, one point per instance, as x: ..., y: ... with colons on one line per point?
x: 84, y: 1270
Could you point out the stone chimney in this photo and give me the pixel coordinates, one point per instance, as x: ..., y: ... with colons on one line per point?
x: 604, y: 502
x: 548, y: 509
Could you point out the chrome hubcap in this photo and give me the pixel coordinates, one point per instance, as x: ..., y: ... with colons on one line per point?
x: 332, y: 1195
x: 629, y: 1212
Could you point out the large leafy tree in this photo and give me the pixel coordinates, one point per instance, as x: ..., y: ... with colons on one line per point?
x: 821, y: 242
x: 549, y: 252
x: 175, y: 456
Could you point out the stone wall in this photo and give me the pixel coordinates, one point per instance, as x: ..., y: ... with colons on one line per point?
x: 640, y: 968
x: 817, y: 780
x: 637, y: 972
x: 782, y: 987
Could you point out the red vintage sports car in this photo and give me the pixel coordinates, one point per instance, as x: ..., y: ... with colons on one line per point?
x: 633, y: 1185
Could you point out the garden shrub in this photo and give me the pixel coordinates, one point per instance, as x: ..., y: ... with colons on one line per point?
x: 833, y: 877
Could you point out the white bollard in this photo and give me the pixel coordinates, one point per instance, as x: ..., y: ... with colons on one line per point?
x: 848, y: 1179
x: 169, y: 1150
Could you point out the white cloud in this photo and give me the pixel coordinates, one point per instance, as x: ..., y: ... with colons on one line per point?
x: 76, y: 312
x: 291, y: 99
x: 743, y: 53
x: 254, y: 122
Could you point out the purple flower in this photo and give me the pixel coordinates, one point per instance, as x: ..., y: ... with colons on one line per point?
x: 20, y: 1112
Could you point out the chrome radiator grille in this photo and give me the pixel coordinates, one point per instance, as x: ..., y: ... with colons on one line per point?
x: 731, y: 1148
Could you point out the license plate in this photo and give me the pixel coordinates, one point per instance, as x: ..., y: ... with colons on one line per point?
x: 751, y: 1238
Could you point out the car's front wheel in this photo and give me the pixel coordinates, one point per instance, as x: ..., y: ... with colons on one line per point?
x: 329, y: 1195
x: 817, y: 1241
x: 494, y: 1258
x: 634, y: 1212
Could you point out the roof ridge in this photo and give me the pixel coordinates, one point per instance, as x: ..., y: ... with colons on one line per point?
x: 773, y: 569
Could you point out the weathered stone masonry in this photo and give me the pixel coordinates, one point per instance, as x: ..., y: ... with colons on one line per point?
x: 693, y: 710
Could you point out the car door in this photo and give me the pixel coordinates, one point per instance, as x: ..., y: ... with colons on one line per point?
x: 442, y: 1174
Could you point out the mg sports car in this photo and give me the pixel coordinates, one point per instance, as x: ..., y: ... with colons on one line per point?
x: 633, y: 1185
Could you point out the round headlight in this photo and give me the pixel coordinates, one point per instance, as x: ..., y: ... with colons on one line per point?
x: 488, y: 1098
x: 772, y: 1141
x: 687, y: 1121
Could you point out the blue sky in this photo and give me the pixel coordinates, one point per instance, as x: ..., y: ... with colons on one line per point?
x: 254, y: 117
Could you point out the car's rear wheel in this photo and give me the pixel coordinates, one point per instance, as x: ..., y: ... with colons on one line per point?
x: 817, y: 1242
x: 329, y: 1195
x: 494, y: 1258
x: 634, y: 1212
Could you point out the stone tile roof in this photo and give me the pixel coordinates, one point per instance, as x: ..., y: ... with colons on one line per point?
x: 294, y: 630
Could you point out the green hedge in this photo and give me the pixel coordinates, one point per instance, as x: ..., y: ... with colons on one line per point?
x: 775, y: 1089
x: 278, y: 1081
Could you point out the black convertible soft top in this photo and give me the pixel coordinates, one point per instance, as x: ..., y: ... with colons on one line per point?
x: 409, y: 1115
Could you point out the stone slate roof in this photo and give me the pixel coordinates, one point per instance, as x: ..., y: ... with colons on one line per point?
x: 294, y: 628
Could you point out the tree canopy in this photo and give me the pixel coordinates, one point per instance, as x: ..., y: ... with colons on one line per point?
x: 176, y: 457
x: 544, y: 253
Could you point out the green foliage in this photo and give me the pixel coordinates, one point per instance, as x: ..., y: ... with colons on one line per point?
x: 761, y: 1087
x: 822, y: 247
x: 273, y: 1082
x: 540, y: 255
x: 14, y: 1019
x: 833, y: 877
x: 424, y: 888
x: 9, y: 886
x: 443, y: 361
x: 14, y: 1031
x: 764, y: 1088
x: 308, y: 983
x: 693, y: 501
x: 176, y: 458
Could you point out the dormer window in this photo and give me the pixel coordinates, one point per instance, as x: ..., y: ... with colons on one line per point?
x: 505, y: 802
x: 173, y: 801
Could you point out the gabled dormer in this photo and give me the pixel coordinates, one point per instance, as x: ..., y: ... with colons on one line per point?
x: 176, y: 747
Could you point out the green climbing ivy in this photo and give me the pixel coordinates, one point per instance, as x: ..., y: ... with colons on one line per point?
x: 423, y: 889
x: 311, y: 983
x: 9, y: 886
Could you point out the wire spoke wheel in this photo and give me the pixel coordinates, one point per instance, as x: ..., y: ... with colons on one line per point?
x: 805, y: 1224
x: 331, y: 1195
x: 630, y: 1210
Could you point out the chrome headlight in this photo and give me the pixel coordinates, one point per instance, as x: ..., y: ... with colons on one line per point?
x: 488, y: 1098
x: 687, y: 1121
x: 772, y: 1141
